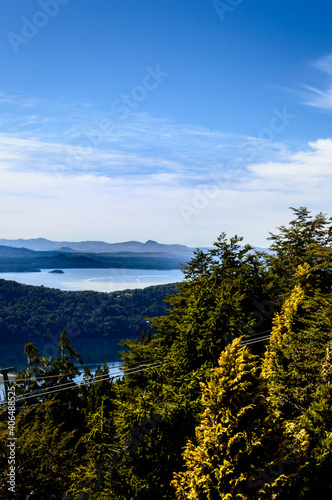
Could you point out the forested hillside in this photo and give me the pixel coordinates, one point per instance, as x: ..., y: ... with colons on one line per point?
x: 97, y: 321
x: 229, y: 398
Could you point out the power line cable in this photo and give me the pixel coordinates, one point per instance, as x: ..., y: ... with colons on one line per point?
x: 21, y: 380
x: 72, y: 385
x: 99, y: 378
x: 249, y: 335
x: 255, y: 341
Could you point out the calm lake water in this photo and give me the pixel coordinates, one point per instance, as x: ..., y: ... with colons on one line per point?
x: 98, y: 280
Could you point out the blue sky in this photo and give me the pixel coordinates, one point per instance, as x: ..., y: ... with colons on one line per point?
x: 166, y: 120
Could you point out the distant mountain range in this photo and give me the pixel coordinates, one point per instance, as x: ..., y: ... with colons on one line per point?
x: 39, y: 253
x: 150, y: 246
x: 36, y: 254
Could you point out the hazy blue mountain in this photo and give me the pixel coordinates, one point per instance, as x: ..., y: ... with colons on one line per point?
x: 42, y: 244
x: 13, y: 259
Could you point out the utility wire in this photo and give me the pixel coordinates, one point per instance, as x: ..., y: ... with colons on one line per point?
x: 99, y: 378
x: 21, y: 380
x: 255, y: 340
x: 72, y: 385
x: 249, y: 335
x: 263, y: 339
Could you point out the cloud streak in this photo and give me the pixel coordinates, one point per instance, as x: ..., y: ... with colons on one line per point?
x: 317, y: 97
x: 132, y: 183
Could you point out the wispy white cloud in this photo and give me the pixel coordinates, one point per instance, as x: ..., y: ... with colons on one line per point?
x: 313, y: 166
x: 324, y: 64
x: 75, y: 179
x: 18, y: 100
x: 320, y: 97
x: 87, y: 140
x: 258, y: 200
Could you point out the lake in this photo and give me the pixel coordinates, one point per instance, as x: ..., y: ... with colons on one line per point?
x: 97, y: 280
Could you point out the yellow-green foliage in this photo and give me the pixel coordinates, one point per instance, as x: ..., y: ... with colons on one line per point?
x: 282, y: 325
x: 292, y: 362
x: 229, y: 436
x: 327, y: 364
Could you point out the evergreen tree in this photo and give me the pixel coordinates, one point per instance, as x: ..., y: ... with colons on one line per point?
x: 306, y: 240
x: 311, y: 435
x: 32, y: 356
x: 297, y: 346
x: 87, y: 479
x: 100, y: 391
x: 230, y: 443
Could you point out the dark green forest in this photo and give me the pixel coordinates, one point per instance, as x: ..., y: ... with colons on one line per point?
x: 97, y: 321
x: 228, y: 398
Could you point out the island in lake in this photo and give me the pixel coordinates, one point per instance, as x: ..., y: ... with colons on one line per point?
x: 56, y: 271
